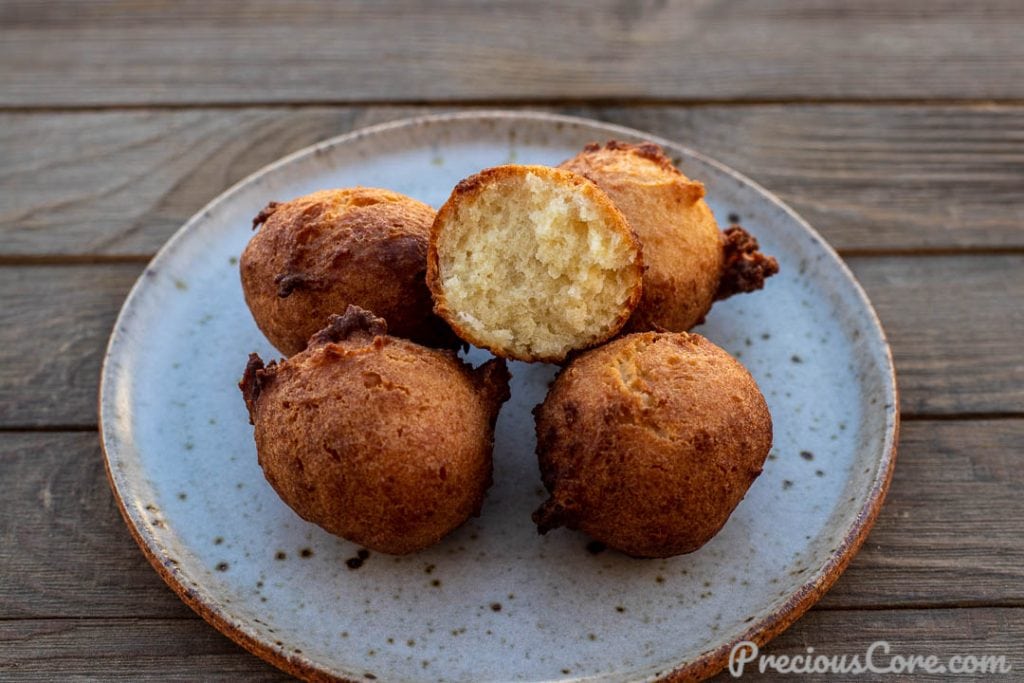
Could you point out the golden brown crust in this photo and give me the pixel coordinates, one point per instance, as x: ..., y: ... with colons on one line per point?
x: 474, y: 185
x: 375, y: 438
x: 682, y: 243
x: 315, y: 255
x: 645, y: 150
x: 683, y: 248
x: 649, y: 442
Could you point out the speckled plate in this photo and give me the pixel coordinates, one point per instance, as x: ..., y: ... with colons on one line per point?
x: 493, y: 601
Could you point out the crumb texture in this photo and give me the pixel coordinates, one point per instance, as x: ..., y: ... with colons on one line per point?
x: 535, y: 262
x: 682, y: 245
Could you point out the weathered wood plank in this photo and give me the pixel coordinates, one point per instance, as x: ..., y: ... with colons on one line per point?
x: 64, y: 549
x: 949, y: 533
x: 155, y: 649
x: 125, y: 650
x: 143, y: 52
x: 951, y: 530
x: 955, y: 324
x: 119, y: 183
x: 122, y: 183
x: 869, y: 178
x: 55, y: 321
x: 54, y: 325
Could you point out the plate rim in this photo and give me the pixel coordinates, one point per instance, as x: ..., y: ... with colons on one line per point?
x: 706, y: 664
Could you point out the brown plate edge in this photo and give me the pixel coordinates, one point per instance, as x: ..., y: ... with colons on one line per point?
x: 296, y: 666
x: 713, y: 662
x: 707, y: 664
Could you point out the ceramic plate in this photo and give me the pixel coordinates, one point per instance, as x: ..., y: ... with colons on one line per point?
x: 494, y: 600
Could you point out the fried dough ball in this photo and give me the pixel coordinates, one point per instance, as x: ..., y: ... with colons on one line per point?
x: 374, y: 438
x: 690, y: 263
x: 319, y: 253
x: 649, y: 442
x: 532, y: 262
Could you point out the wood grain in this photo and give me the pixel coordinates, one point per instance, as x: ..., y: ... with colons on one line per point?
x: 54, y: 324
x: 125, y: 650
x: 951, y: 530
x: 64, y: 549
x: 948, y: 535
x: 132, y: 650
x: 955, y: 324
x: 56, y: 319
x: 144, y: 52
x: 869, y: 178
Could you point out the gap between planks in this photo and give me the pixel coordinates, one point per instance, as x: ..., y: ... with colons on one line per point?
x: 518, y: 103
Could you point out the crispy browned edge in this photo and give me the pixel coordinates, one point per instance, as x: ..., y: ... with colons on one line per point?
x: 475, y: 184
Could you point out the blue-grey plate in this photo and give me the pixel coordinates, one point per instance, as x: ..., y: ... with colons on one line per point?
x: 493, y: 601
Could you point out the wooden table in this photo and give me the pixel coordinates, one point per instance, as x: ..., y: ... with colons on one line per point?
x: 896, y: 128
